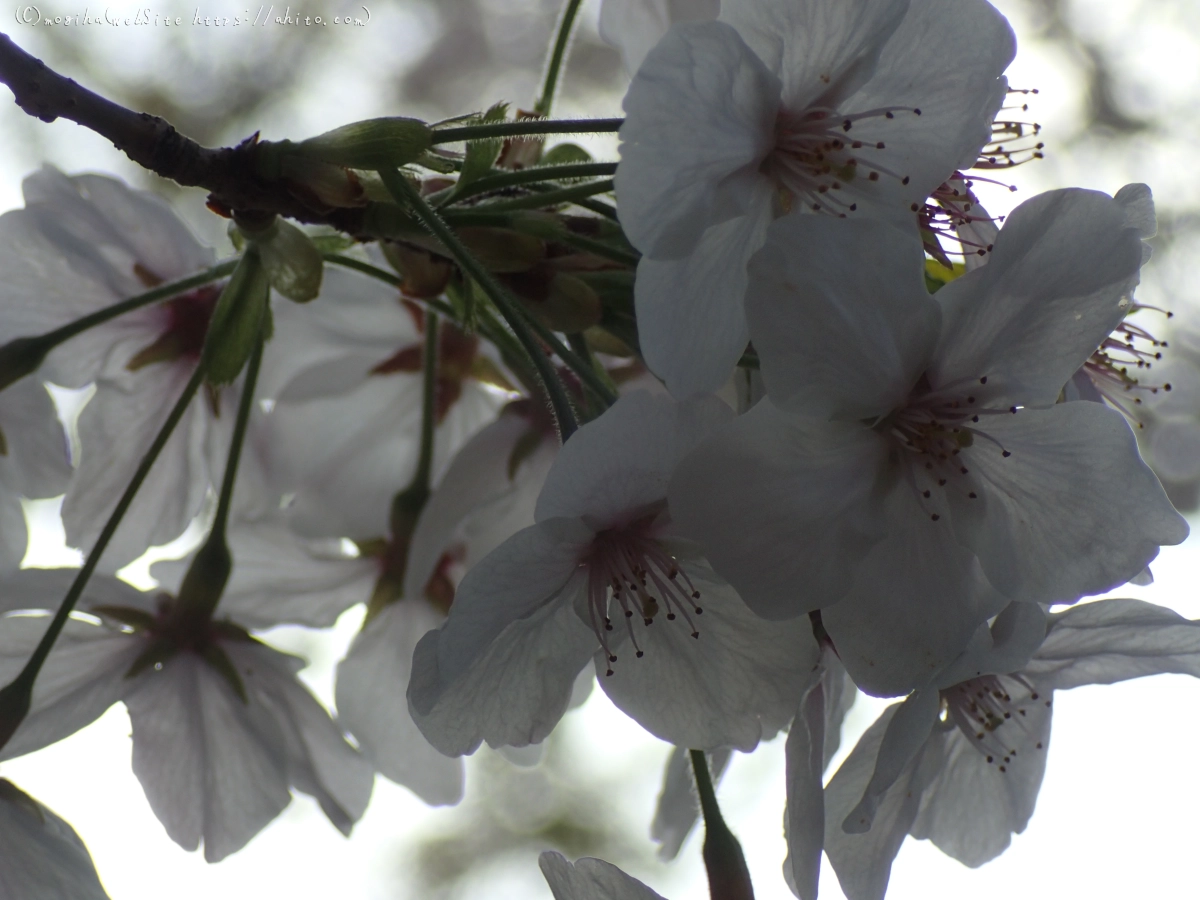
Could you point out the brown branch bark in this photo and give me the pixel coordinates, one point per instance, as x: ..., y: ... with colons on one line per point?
x: 228, y: 173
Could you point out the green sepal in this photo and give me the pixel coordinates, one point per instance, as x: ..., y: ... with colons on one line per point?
x: 937, y: 275
x: 383, y: 143
x: 205, y: 581
x: 481, y: 155
x: 220, y: 662
x: 237, y: 321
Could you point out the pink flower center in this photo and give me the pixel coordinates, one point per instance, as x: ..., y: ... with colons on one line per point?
x: 1128, y: 348
x: 185, y: 323
x: 816, y: 155
x: 986, y: 712
x: 932, y: 430
x: 644, y: 580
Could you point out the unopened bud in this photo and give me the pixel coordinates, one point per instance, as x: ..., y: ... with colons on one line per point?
x: 237, y: 320
x: 503, y: 250
x: 384, y: 143
x: 424, y: 275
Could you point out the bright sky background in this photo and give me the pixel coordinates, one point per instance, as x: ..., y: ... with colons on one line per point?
x: 1116, y: 814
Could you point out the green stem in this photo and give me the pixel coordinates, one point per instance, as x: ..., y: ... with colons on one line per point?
x: 728, y: 876
x: 531, y: 175
x: 523, y: 127
x: 16, y: 696
x: 428, y: 404
x: 406, y: 194
x: 599, y: 248
x: 161, y: 292
x: 543, y: 199
x: 557, y: 54
x: 245, y: 405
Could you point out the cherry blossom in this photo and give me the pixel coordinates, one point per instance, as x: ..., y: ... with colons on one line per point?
x: 910, y: 472
x: 222, y: 729
x: 82, y: 244
x: 961, y: 763
x: 675, y: 647
x: 842, y: 108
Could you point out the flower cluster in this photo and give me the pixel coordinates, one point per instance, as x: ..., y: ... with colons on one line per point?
x: 726, y: 449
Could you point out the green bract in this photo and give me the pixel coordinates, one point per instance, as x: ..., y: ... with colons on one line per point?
x: 237, y: 320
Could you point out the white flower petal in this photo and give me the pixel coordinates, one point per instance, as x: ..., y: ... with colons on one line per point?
x: 34, y: 463
x: 737, y: 683
x: 812, y: 740
x: 915, y: 601
x: 828, y: 46
x: 617, y: 465
x: 318, y: 760
x: 44, y: 859
x: 699, y: 117
x: 1073, y: 510
x: 839, y: 336
x: 902, y: 743
x: 372, y: 682
x: 83, y: 676
x: 863, y: 862
x: 522, y: 576
x: 213, y: 767
x: 102, y: 212
x: 14, y: 539
x: 590, y: 879
x: 781, y: 506
x: 1114, y: 640
x: 691, y: 322
x: 514, y: 693
x: 633, y: 27
x: 955, y: 81
x: 1057, y: 282
x: 115, y: 430
x: 678, y: 807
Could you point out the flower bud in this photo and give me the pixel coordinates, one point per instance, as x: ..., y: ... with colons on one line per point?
x: 424, y: 275
x: 384, y: 143
x: 502, y: 250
